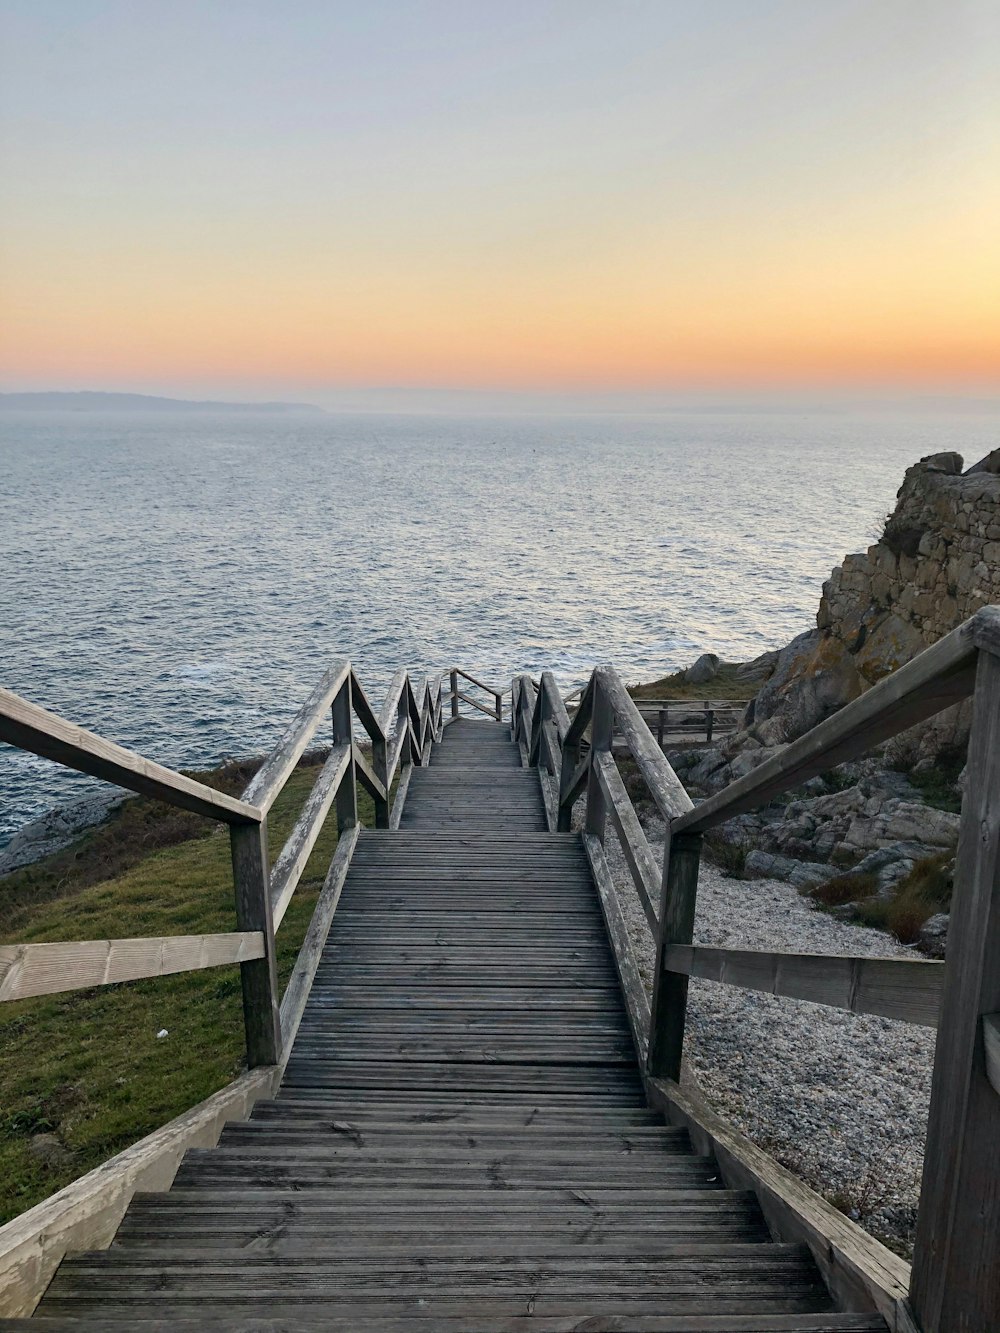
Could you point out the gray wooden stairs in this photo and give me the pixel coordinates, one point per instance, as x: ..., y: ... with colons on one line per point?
x: 461, y: 1139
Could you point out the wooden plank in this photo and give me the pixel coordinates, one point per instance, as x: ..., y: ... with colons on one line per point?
x: 87, y: 1213
x: 474, y: 703
x: 270, y: 779
x: 634, y: 845
x: 399, y: 804
x: 293, y: 1002
x: 581, y: 718
x: 862, y: 1274
x: 991, y: 1049
x: 288, y: 868
x: 32, y: 728
x: 364, y: 711
x: 259, y: 979
x: 629, y: 976
x: 497, y: 694
x: 368, y: 777
x: 665, y: 787
x: 956, y: 1259
x: 938, y: 677
x: 907, y: 989
x: 47, y: 969
x: 390, y: 706
x: 682, y: 856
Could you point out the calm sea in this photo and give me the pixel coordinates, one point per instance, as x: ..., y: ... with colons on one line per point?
x: 177, y: 584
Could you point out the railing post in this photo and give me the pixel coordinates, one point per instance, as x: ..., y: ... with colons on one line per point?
x: 570, y: 759
x: 602, y: 724
x: 343, y: 734
x: 955, y: 1281
x: 541, y: 715
x: 258, y: 977
x: 380, y: 765
x: 454, y: 693
x: 709, y: 723
x: 403, y: 726
x: 660, y: 722
x: 498, y: 695
x: 668, y: 1011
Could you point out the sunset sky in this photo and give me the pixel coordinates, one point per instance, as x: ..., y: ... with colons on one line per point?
x: 260, y: 199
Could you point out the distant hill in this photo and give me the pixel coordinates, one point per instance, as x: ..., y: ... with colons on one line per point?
x: 136, y: 402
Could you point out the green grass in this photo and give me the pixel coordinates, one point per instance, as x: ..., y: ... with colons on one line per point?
x: 925, y: 891
x: 723, y: 686
x: 87, y: 1066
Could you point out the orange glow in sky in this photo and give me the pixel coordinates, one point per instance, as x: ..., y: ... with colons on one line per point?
x: 520, y: 197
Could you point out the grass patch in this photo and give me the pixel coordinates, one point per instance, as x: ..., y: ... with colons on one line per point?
x: 849, y: 888
x: 87, y: 1066
x: 729, y: 857
x: 925, y: 891
x: 723, y: 686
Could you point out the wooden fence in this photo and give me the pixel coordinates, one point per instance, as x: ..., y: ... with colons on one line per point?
x: 400, y: 736
x: 954, y: 1282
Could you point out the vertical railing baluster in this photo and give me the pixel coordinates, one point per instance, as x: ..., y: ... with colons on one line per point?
x: 678, y: 896
x: 602, y: 723
x: 454, y: 694
x: 258, y: 977
x: 380, y: 766
x: 955, y: 1281
x: 343, y: 734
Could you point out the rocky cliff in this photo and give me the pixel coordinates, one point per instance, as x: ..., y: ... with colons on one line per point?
x: 936, y: 562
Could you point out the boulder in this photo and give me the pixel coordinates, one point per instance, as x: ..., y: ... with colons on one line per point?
x: 47, y: 1150
x: 933, y: 937
x: 802, y: 874
x: 705, y: 669
x: 991, y: 463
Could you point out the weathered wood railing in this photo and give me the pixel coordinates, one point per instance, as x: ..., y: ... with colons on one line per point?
x: 456, y: 695
x: 677, y: 722
x: 400, y: 736
x: 954, y: 1282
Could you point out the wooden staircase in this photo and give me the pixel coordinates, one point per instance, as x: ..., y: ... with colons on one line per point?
x: 461, y: 1139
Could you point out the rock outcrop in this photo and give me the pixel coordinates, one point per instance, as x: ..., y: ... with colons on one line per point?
x: 936, y: 563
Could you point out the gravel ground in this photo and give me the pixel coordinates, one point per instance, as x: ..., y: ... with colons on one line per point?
x: 839, y: 1098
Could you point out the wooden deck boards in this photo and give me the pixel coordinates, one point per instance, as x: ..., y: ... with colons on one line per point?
x: 461, y: 1140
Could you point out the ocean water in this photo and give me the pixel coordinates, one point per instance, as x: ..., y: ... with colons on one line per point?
x: 178, y: 584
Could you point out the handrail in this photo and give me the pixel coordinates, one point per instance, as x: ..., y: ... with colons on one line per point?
x: 957, y: 1252
x: 455, y: 694
x: 269, y: 781
x: 263, y: 889
x: 34, y: 729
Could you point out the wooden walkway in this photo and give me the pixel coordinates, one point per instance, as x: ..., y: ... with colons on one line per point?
x: 461, y: 1139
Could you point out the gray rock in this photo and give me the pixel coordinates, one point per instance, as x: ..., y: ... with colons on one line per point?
x: 950, y: 463
x: 893, y: 854
x: 759, y: 669
x: 933, y: 937
x: 49, y: 1152
x: 705, y: 669
x: 991, y: 463
x: 802, y: 874
x: 57, y: 829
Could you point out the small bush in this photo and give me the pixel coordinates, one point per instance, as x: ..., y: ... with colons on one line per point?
x: 730, y: 857
x: 925, y: 891
x: 850, y: 888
